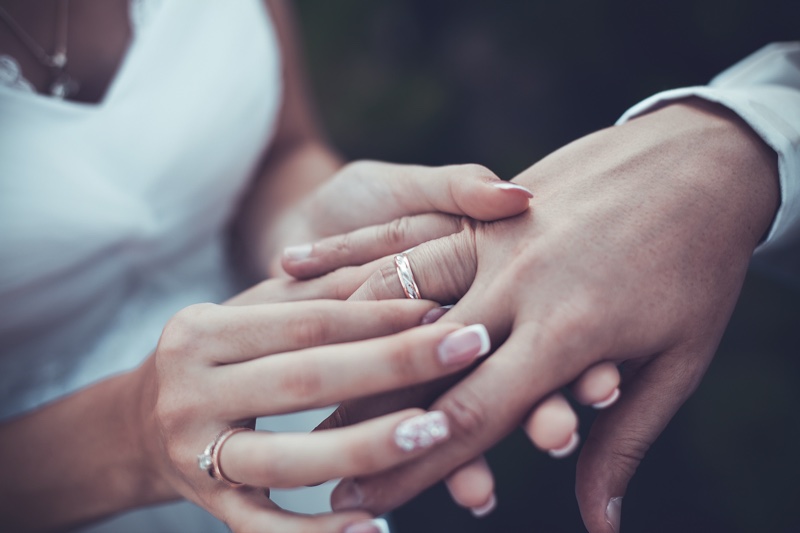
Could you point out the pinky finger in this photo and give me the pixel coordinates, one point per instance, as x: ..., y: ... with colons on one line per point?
x: 472, y: 486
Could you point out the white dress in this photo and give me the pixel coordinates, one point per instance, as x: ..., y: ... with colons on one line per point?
x: 113, y: 216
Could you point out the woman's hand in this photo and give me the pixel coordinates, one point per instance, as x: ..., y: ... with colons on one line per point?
x: 370, y: 193
x: 635, y: 253
x: 222, y: 366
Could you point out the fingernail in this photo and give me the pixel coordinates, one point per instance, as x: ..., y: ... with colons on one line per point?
x: 614, y: 513
x: 464, y: 345
x: 608, y: 401
x: 298, y: 252
x: 422, y: 431
x: 377, y: 525
x: 507, y: 186
x: 347, y: 496
x: 435, y: 314
x: 486, y: 508
x: 559, y: 453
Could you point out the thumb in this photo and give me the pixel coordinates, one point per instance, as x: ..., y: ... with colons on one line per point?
x: 621, y: 436
x: 441, y: 270
x: 471, y: 190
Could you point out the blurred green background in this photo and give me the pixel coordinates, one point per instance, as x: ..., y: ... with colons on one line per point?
x: 504, y: 83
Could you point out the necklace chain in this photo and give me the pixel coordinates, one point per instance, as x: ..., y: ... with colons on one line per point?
x: 57, y: 61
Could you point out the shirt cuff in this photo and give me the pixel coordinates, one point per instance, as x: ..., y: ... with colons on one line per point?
x: 764, y: 90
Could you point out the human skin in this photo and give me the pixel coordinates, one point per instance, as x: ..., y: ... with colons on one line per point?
x: 633, y: 253
x: 132, y: 440
x: 106, y: 462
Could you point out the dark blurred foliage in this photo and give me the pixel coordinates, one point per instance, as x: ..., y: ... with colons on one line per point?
x: 504, y: 83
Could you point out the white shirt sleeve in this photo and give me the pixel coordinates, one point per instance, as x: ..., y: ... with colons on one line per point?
x: 764, y: 90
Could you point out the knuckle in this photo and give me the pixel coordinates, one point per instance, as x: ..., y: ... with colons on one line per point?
x: 628, y: 453
x: 403, y: 362
x: 385, y: 282
x: 396, y: 232
x: 301, y: 383
x: 475, y: 170
x: 356, y: 167
x: 183, y: 332
x: 466, y: 414
x: 312, y: 328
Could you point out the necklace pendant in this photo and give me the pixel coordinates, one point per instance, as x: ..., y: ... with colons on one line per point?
x: 59, y: 60
x: 63, y: 87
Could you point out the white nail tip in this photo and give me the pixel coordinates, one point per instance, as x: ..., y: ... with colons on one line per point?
x: 422, y: 431
x: 486, y: 508
x: 382, y: 525
x: 301, y: 251
x: 483, y: 335
x: 608, y: 401
x: 506, y: 186
x: 559, y: 453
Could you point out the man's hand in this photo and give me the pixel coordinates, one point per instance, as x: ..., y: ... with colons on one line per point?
x: 634, y: 253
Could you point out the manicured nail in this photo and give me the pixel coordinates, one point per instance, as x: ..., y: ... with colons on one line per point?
x: 347, y: 495
x: 507, y: 186
x: 422, y: 431
x: 464, y: 345
x: 377, y: 525
x: 435, y: 314
x: 608, y: 402
x: 559, y: 453
x: 299, y: 252
x: 486, y: 508
x: 614, y: 513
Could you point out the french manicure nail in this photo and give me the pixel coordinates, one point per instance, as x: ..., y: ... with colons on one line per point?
x: 614, y: 513
x: 507, y: 186
x: 486, y: 508
x: 608, y: 402
x: 560, y: 453
x: 464, y: 345
x: 377, y: 525
x: 435, y: 314
x: 347, y: 496
x: 422, y: 431
x: 298, y: 252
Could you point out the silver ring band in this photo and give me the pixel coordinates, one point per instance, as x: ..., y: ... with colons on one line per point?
x: 406, y: 276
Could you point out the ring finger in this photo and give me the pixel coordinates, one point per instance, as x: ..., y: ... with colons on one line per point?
x: 284, y: 460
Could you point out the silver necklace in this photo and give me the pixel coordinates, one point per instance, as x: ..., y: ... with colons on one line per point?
x: 62, y: 85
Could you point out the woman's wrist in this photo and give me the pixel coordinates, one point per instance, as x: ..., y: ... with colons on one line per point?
x: 77, y: 460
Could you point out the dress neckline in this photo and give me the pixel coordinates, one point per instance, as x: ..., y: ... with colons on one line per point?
x: 142, y: 16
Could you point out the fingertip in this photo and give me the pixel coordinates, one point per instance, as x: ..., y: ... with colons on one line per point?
x: 296, y: 261
x: 502, y: 199
x: 553, y: 425
x: 567, y: 449
x: 472, y: 485
x: 486, y: 508
x: 608, y: 402
x: 597, y: 385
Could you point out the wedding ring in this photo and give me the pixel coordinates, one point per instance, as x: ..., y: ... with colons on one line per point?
x: 208, y: 461
x: 406, y: 276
